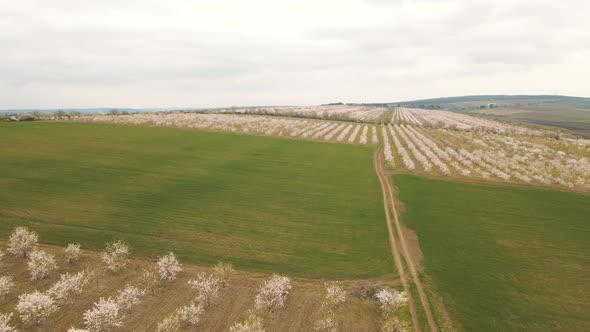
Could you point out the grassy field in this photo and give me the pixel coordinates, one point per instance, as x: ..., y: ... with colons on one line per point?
x: 265, y: 204
x: 503, y: 258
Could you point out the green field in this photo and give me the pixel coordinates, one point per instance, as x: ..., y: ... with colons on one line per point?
x: 503, y: 258
x: 266, y: 204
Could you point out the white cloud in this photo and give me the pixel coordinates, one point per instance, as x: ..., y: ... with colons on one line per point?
x: 215, y: 53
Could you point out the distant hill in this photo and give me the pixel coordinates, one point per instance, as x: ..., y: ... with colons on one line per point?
x: 564, y: 112
x: 471, y: 102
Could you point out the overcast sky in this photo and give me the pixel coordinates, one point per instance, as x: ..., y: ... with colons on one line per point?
x: 70, y: 53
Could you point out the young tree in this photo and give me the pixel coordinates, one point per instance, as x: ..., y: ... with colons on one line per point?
x: 335, y: 294
x: 129, y: 297
x: 169, y: 267
x: 223, y: 272
x: 22, y: 241
x: 391, y: 302
x: 326, y: 322
x: 148, y: 279
x: 5, y: 323
x: 190, y: 314
x: 35, y: 307
x: 72, y: 253
x: 253, y: 323
x: 207, y: 287
x: 169, y: 324
x: 68, y: 286
x: 41, y: 264
x: 104, y: 316
x: 6, y: 285
x: 272, y: 293
x: 97, y: 274
x: 116, y: 255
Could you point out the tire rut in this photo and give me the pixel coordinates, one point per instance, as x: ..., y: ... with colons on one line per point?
x: 388, y: 197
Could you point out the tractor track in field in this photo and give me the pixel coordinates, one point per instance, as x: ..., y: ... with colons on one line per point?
x: 389, y: 203
x: 394, y: 250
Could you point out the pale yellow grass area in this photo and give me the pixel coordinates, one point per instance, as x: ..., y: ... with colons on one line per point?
x: 300, y: 312
x: 500, y: 111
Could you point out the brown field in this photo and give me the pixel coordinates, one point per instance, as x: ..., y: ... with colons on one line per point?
x: 500, y: 111
x: 299, y: 314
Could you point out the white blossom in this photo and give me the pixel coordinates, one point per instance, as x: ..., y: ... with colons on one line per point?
x: 190, y: 314
x: 272, y: 293
x: 104, y: 316
x: 207, y: 286
x: 129, y: 297
x: 354, y: 134
x: 69, y: 286
x: 22, y: 241
x: 327, y: 322
x: 391, y: 300
x: 148, y: 279
x: 393, y: 323
x: 335, y: 293
x: 374, y: 137
x: 35, y: 307
x: 387, y: 148
x: 41, y: 264
x: 363, y: 139
x: 169, y: 267
x: 116, y: 255
x: 73, y: 329
x: 72, y: 253
x: 169, y: 324
x: 253, y: 323
x: 5, y: 323
x: 390, y: 303
x: 6, y: 285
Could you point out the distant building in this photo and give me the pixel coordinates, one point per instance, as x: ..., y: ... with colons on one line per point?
x: 490, y: 105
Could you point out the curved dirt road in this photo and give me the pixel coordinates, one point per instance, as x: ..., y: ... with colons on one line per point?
x: 389, y: 203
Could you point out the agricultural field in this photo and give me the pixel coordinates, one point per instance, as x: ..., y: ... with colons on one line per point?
x: 400, y: 205
x: 303, y: 304
x: 419, y: 141
x: 504, y: 258
x: 569, y: 118
x: 565, y: 113
x: 264, y: 204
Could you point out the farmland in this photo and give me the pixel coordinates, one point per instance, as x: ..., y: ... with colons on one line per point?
x: 417, y: 141
x: 300, y: 311
x: 504, y: 258
x: 265, y: 204
x: 308, y: 192
x: 549, y: 111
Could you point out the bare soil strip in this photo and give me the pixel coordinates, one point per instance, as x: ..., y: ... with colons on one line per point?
x: 392, y: 242
x: 388, y: 193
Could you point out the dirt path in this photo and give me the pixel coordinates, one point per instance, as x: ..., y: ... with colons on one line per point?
x: 394, y: 250
x: 388, y: 197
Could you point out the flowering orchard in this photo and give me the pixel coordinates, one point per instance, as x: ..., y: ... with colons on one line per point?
x: 335, y: 131
x: 84, y: 291
x: 415, y: 140
x: 512, y: 158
